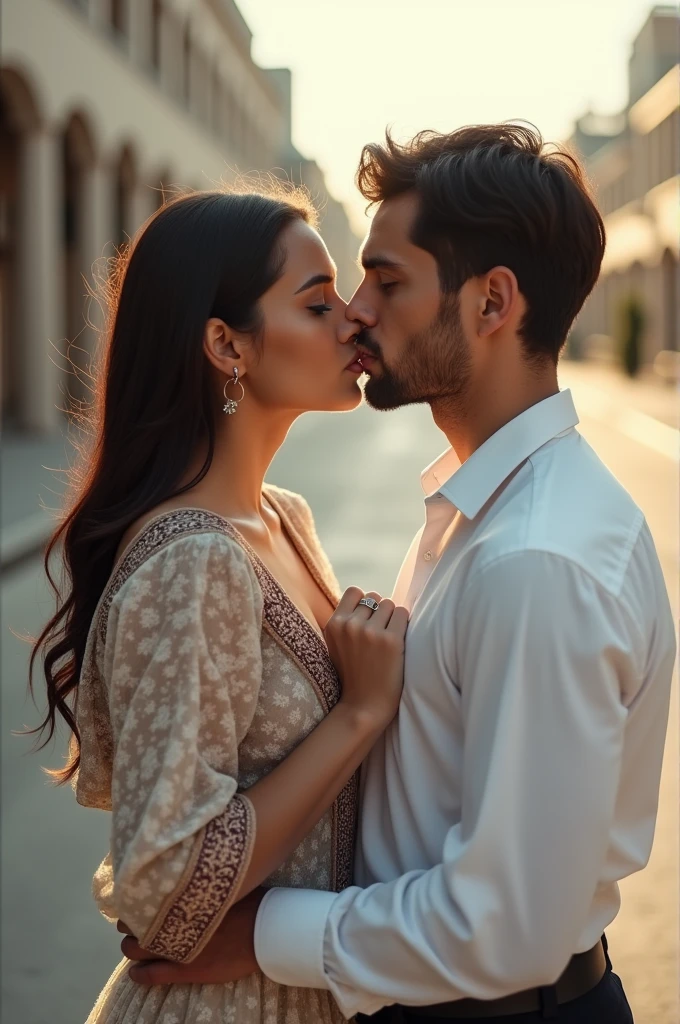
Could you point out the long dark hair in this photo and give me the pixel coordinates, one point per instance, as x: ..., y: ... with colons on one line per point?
x: 207, y: 254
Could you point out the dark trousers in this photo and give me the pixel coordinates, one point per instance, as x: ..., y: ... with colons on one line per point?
x: 604, y: 1004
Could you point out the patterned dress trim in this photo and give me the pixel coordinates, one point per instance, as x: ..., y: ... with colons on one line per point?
x: 193, y: 912
x: 311, y: 655
x: 282, y: 620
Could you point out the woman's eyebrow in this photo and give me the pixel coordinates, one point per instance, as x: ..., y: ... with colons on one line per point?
x: 317, y: 279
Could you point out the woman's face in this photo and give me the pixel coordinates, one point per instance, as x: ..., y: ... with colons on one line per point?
x: 301, y: 364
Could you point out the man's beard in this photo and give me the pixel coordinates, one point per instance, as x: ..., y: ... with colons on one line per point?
x: 435, y: 366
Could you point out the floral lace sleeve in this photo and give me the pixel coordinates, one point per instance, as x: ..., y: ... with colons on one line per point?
x: 183, y: 662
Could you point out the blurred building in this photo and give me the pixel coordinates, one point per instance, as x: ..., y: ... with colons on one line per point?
x: 104, y: 106
x: 633, y: 159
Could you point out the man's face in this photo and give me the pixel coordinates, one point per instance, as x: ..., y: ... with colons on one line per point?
x: 412, y: 341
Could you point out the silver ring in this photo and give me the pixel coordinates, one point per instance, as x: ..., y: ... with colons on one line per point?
x: 370, y: 602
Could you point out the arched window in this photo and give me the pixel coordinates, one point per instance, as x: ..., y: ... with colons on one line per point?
x: 671, y: 314
x: 78, y: 159
x: 125, y: 184
x: 10, y: 376
x: 19, y: 118
x: 156, y: 18
x: 228, y: 122
x: 186, y: 61
x: 216, y: 102
x: 117, y: 16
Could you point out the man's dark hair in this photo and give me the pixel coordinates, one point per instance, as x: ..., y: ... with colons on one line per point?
x: 492, y: 195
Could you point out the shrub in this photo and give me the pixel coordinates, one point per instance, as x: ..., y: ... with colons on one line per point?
x: 630, y: 334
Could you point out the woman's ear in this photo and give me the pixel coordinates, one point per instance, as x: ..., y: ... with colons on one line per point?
x: 223, y: 347
x: 498, y: 301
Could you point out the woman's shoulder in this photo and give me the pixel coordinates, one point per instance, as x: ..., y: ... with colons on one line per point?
x: 181, y: 563
x: 294, y: 504
x: 176, y: 521
x: 191, y: 543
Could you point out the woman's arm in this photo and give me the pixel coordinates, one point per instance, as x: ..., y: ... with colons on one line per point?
x: 183, y: 659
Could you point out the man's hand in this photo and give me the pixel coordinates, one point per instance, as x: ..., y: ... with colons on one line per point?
x: 229, y: 955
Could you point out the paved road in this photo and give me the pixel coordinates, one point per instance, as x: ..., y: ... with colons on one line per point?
x: 360, y: 474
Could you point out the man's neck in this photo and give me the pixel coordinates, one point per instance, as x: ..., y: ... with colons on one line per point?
x: 487, y: 408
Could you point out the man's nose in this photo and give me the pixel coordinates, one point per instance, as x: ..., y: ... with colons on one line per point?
x: 347, y: 330
x: 358, y: 314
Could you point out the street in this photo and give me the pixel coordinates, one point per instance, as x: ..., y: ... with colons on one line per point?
x: 360, y: 474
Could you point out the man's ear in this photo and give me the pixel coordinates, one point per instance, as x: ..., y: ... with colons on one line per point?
x: 498, y: 300
x: 223, y: 347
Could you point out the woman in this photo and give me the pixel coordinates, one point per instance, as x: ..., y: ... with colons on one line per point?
x: 209, y: 717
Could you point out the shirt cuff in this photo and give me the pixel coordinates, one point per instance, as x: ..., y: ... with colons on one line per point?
x: 289, y: 934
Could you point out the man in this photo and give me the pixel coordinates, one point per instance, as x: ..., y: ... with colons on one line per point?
x: 519, y: 782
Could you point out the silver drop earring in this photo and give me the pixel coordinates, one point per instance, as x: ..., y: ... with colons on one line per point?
x: 231, y: 404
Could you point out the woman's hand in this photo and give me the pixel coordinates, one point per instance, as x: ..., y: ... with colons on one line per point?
x: 367, y: 649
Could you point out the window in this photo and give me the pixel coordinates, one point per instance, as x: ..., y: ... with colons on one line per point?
x: 228, y: 116
x: 124, y: 187
x: 118, y: 17
x: 156, y: 18
x: 236, y: 127
x: 216, y: 100
x: 187, y: 59
x: 669, y: 270
x: 669, y: 147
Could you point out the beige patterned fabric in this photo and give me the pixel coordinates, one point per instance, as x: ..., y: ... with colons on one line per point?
x: 200, y: 676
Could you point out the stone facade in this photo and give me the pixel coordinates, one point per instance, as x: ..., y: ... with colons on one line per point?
x: 633, y: 159
x: 105, y: 105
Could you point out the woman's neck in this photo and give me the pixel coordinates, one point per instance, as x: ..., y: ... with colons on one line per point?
x: 245, y: 446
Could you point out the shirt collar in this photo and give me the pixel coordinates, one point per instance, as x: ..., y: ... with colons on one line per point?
x: 470, y: 485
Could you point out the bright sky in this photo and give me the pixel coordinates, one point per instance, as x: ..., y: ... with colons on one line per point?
x: 359, y: 65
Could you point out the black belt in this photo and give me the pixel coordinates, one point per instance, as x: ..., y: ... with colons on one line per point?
x: 583, y: 972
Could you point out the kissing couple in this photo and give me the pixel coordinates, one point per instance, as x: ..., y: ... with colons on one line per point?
x: 332, y: 806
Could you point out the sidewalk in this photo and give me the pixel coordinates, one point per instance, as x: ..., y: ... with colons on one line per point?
x: 31, y: 490
x: 647, y: 394
x: 31, y: 484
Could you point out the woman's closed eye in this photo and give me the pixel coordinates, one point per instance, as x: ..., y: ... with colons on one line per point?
x: 320, y: 309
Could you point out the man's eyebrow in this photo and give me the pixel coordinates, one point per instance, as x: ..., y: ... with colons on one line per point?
x: 317, y: 279
x: 380, y: 262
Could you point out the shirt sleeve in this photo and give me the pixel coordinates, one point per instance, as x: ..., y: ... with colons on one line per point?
x: 183, y: 660
x: 548, y: 672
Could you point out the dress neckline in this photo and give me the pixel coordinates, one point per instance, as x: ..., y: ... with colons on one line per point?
x: 261, y: 569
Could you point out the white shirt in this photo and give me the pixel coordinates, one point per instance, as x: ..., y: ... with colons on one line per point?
x: 519, y: 781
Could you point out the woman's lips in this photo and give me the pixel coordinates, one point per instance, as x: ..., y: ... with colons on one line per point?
x: 356, y: 367
x: 367, y: 361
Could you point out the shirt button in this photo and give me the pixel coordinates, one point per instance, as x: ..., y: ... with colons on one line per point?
x: 428, y: 556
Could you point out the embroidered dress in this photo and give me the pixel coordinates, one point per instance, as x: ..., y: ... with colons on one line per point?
x: 201, y: 675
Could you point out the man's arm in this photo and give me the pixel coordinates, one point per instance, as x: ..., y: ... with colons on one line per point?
x: 549, y: 674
